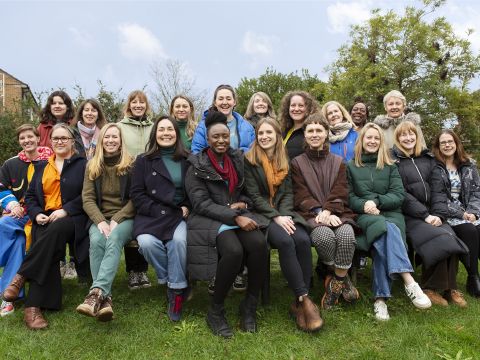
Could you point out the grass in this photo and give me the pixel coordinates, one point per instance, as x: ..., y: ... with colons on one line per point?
x: 141, y: 329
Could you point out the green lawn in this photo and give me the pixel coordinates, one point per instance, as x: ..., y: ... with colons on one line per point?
x: 141, y: 329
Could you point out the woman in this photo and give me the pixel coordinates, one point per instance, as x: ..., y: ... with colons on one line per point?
x: 159, y: 196
x: 359, y: 113
x: 136, y: 126
x: 295, y: 107
x: 54, y: 203
x: 89, y: 121
x: 376, y: 193
x: 342, y: 134
x: 58, y: 109
x: 258, y: 107
x: 181, y: 108
x: 15, y: 227
x: 457, y: 176
x: 321, y: 197
x: 425, y: 211
x: 221, y: 229
x: 269, y: 185
x: 106, y: 200
x: 395, y: 104
x: 242, y: 134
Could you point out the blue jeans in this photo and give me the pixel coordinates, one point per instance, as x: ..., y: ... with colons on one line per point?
x: 389, y: 258
x: 169, y: 259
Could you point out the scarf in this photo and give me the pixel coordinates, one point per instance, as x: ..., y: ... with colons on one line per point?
x: 228, y: 172
x: 339, y: 131
x: 44, y: 153
x: 89, y: 136
x: 274, y: 175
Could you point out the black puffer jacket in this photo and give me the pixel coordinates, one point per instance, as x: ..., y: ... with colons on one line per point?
x: 432, y: 243
x: 211, y: 200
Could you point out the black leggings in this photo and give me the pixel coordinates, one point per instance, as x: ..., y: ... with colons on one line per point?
x: 231, y: 245
x: 295, y: 255
x: 470, y: 235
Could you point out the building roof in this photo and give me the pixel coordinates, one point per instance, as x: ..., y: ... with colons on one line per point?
x: 24, y: 85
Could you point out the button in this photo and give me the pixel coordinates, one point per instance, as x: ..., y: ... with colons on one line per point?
x: 228, y: 204
x: 154, y: 191
x: 154, y: 173
x: 162, y: 212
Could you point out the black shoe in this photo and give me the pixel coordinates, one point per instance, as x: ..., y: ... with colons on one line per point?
x: 217, y: 321
x: 248, y: 314
x: 473, y: 285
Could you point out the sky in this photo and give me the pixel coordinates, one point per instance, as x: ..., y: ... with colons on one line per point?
x: 60, y: 44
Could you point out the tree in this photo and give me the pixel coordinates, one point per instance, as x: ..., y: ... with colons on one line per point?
x: 424, y: 60
x: 276, y: 85
x: 172, y: 78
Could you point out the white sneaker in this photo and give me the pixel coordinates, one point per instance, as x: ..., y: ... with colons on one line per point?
x: 6, y: 308
x: 70, y: 272
x: 418, y: 297
x: 381, y: 311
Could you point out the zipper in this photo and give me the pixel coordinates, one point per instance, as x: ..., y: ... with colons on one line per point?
x: 423, y: 181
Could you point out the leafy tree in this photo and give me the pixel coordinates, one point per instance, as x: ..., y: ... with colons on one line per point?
x: 423, y: 59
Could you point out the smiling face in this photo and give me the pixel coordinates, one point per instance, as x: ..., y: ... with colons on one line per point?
x: 359, y: 114
x: 266, y: 137
x: 138, y: 107
x: 166, y: 135
x: 181, y: 109
x: 225, y: 101
x: 448, y: 147
x: 297, y: 109
x: 62, y: 143
x: 58, y: 107
x: 394, y: 107
x: 260, y: 106
x: 111, y: 141
x: 408, y: 140
x: 219, y: 138
x: 28, y: 141
x: 89, y: 115
x: 334, y: 114
x: 371, y: 141
x: 315, y: 136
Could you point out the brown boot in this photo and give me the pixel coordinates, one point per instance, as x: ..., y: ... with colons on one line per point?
x: 34, y: 319
x: 105, y: 312
x: 312, y: 315
x: 435, y: 297
x: 296, y: 313
x: 456, y: 297
x: 92, y: 303
x: 10, y: 294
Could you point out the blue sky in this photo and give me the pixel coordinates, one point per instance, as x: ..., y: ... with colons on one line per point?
x: 60, y: 44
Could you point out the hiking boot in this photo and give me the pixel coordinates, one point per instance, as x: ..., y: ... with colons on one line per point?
x: 349, y: 293
x: 313, y: 321
x: 105, y: 312
x: 211, y: 286
x: 92, y: 303
x: 217, y: 321
x: 296, y: 313
x: 70, y: 272
x: 456, y: 297
x: 143, y: 280
x: 419, y: 299
x: 333, y: 291
x: 34, y: 319
x: 381, y: 311
x: 11, y: 292
x: 175, y: 300
x: 248, y: 314
x: 133, y: 280
x: 435, y: 297
x: 473, y: 285
x: 240, y: 283
x: 6, y: 308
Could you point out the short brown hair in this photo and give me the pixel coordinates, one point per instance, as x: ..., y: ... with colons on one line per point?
x: 26, y: 127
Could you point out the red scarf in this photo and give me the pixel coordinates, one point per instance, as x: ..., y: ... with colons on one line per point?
x: 228, y: 172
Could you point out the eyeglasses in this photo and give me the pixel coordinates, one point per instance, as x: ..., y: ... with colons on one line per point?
x: 445, y: 143
x: 60, y: 139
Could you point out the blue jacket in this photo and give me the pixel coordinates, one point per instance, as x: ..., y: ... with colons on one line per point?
x: 245, y: 132
x: 346, y: 147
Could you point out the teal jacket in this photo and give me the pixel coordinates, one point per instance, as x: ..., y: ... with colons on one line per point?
x: 385, y: 188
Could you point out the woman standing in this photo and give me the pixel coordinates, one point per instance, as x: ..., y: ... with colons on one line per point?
x: 221, y: 228
x: 181, y: 108
x: 242, y: 134
x: 295, y: 107
x: 258, y: 107
x: 359, y: 113
x: 321, y: 197
x: 457, y: 176
x: 376, y: 193
x: 54, y: 203
x: 425, y: 210
x: 342, y: 134
x: 15, y: 227
x: 136, y: 126
x: 158, y: 193
x: 106, y: 200
x: 89, y: 121
x: 269, y: 185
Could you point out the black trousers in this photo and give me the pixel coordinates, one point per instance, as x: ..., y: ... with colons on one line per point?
x: 231, y: 247
x: 40, y: 266
x: 134, y: 261
x: 441, y: 276
x: 470, y: 235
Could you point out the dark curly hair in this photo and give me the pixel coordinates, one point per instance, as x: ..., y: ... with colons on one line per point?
x: 46, y: 115
x: 311, y: 106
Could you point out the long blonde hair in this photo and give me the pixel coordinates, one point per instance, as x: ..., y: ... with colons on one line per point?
x: 191, y: 122
x: 280, y: 154
x: 406, y: 126
x: 383, y: 153
x: 345, y: 114
x: 96, y: 166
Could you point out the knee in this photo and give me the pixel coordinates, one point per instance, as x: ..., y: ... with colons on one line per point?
x: 147, y: 242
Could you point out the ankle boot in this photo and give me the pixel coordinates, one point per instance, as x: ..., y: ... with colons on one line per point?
x: 473, y: 285
x: 312, y: 315
x: 217, y: 321
x: 34, y: 319
x: 10, y: 294
x: 248, y: 314
x: 296, y: 312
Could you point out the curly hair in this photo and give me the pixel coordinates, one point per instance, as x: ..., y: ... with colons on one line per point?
x: 311, y: 106
x: 46, y: 115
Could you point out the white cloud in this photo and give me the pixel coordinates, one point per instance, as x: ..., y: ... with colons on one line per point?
x: 258, y: 45
x: 342, y: 15
x: 81, y: 37
x: 139, y: 43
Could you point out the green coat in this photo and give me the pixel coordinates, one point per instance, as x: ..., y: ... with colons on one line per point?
x: 257, y: 190
x: 385, y: 188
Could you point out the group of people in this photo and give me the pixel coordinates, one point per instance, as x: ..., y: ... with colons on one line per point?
x: 204, y: 201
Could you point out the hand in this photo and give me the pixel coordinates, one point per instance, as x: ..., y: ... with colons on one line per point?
x: 433, y: 220
x: 41, y: 219
x: 104, y: 229
x: 185, y: 212
x: 113, y: 225
x: 246, y: 223
x: 334, y: 220
x: 371, y: 208
x: 57, y: 214
x: 323, y: 217
x: 238, y: 205
x: 17, y: 211
x: 469, y: 217
x: 286, y: 223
